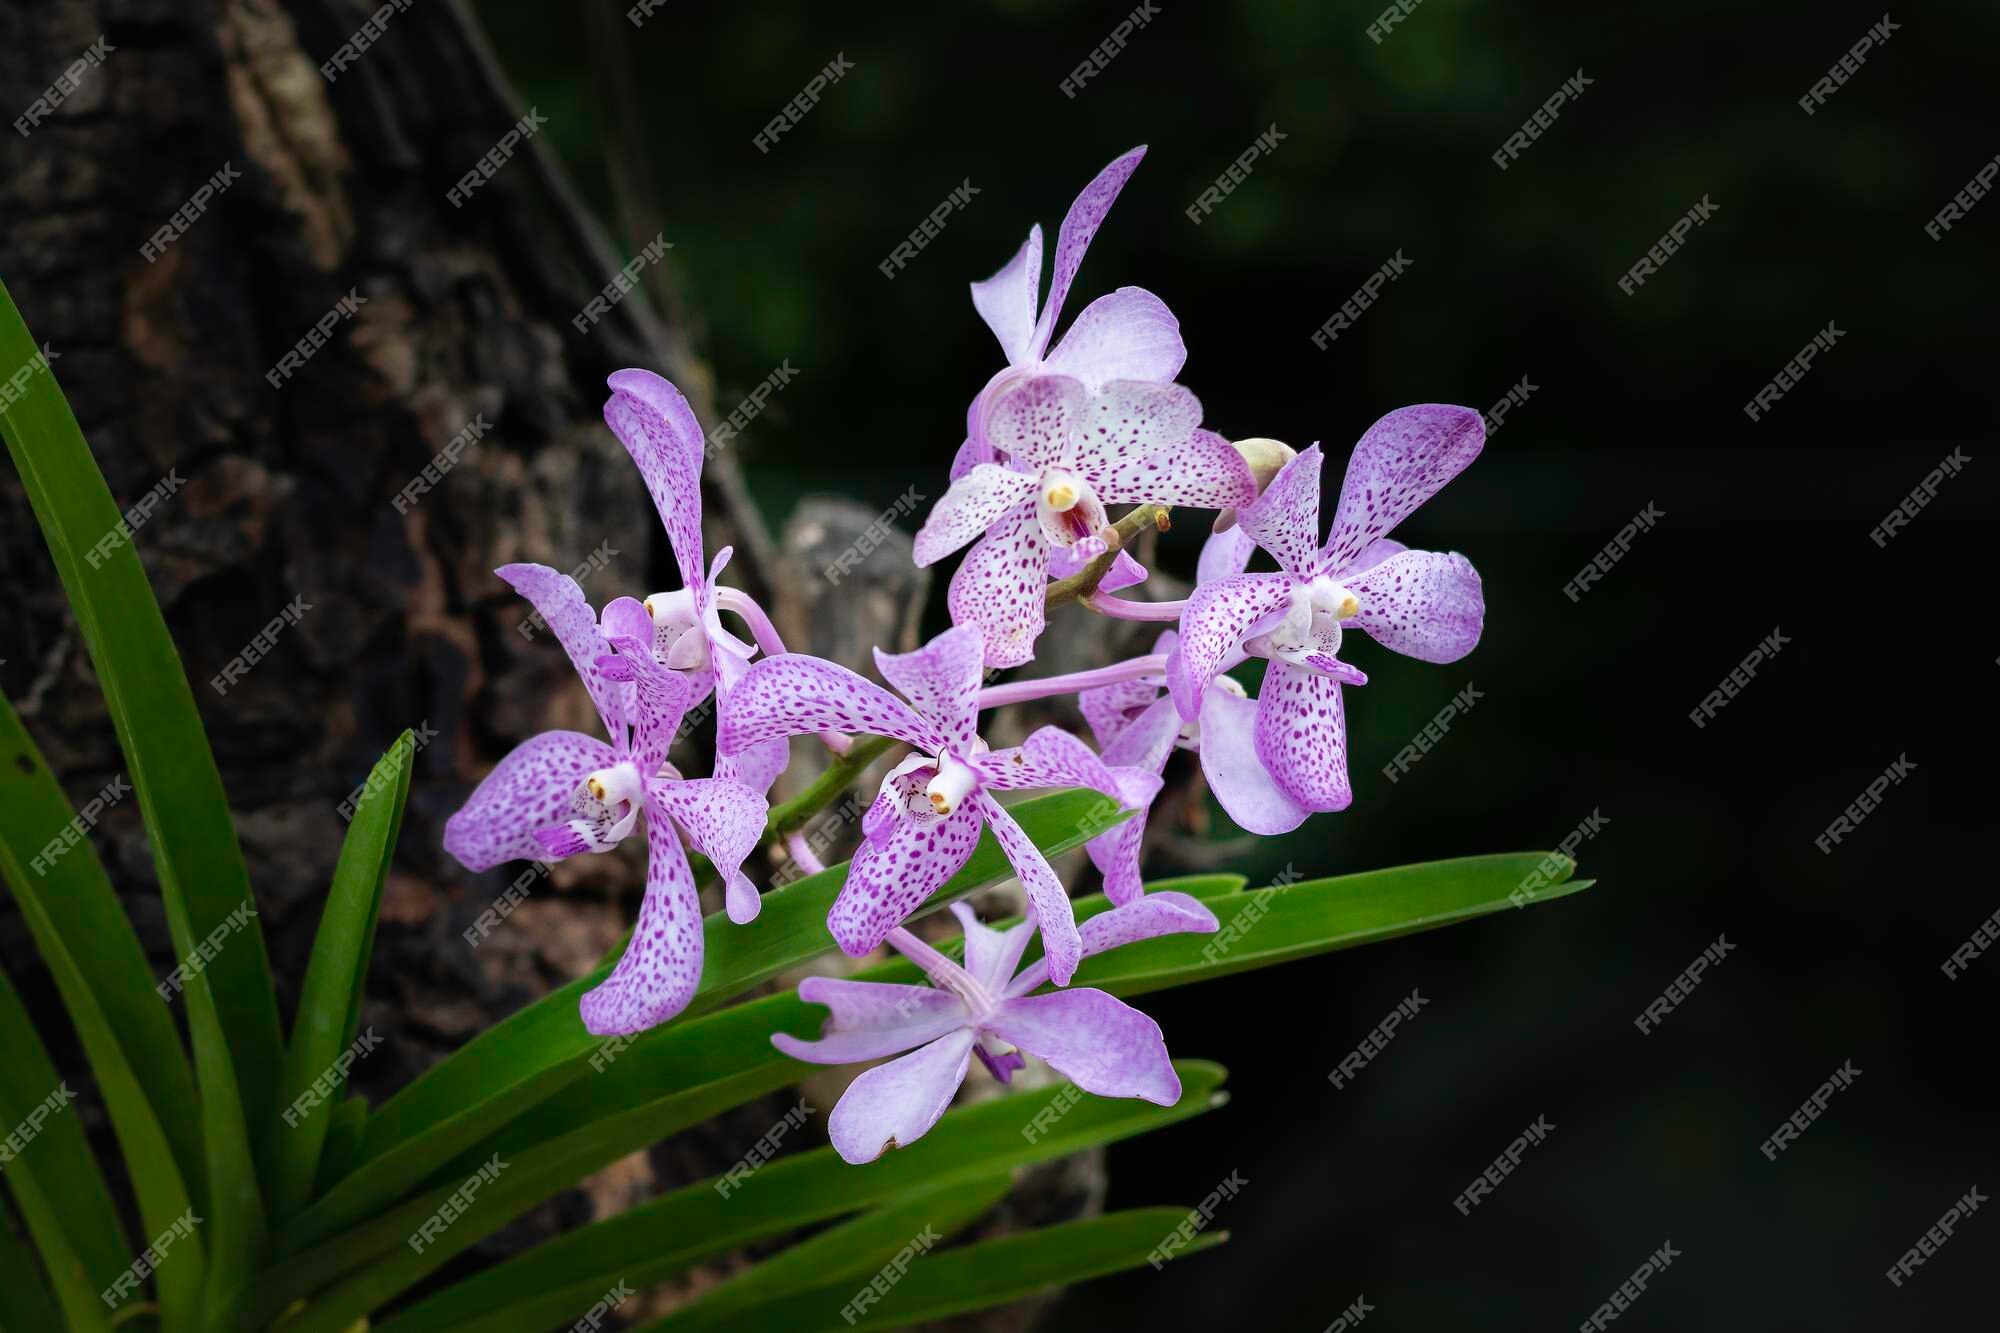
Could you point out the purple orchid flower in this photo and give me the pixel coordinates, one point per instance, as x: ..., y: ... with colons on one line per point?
x: 652, y: 419
x: 1071, y: 452
x: 926, y: 819
x: 1424, y: 604
x: 1128, y: 335
x: 562, y: 793
x: 1101, y: 1043
x: 1136, y: 724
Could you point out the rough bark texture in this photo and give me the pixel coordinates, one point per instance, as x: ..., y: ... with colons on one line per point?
x: 285, y: 492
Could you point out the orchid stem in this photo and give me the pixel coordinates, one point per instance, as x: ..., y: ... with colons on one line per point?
x: 1085, y: 580
x: 802, y: 855
x: 828, y: 787
x: 1043, y: 687
x: 1118, y: 608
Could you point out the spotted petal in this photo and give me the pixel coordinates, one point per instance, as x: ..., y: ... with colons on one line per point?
x: 652, y: 419
x: 561, y: 603
x: 1213, y: 625
x: 1403, y: 460
x: 894, y: 1105
x: 1424, y: 604
x: 1101, y: 1043
x: 1079, y: 225
x: 1000, y: 586
x: 1203, y: 471
x: 1301, y: 736
x: 1285, y: 518
x: 662, y: 965
x: 793, y: 695
x: 660, y: 700
x: 725, y: 822
x: 871, y: 1019
x: 1051, y: 757
x: 900, y: 864
x: 974, y: 503
x: 527, y: 790
x: 1046, y: 896
x: 942, y: 680
x: 1130, y: 420
x: 1128, y: 335
x: 1033, y: 418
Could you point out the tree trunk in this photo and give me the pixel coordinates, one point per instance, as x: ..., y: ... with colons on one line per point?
x: 456, y: 319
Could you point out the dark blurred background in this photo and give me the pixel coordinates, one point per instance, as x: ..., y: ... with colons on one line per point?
x: 1637, y: 400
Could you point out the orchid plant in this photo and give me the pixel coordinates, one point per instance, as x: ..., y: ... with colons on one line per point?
x: 321, y: 1210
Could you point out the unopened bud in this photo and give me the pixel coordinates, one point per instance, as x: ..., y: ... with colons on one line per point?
x: 1266, y: 458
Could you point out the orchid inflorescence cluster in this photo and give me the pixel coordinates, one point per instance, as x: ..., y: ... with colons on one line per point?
x: 1055, y: 437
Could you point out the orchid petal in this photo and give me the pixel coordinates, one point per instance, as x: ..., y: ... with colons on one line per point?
x: 1001, y: 586
x: 1033, y: 417
x: 793, y: 694
x: 1127, y: 335
x: 1401, y: 461
x: 1203, y: 471
x: 1111, y: 710
x: 725, y: 822
x: 1051, y: 905
x: 970, y: 455
x: 1130, y: 420
x: 652, y: 419
x: 1051, y: 757
x: 1235, y: 774
x: 527, y: 790
x: 561, y: 603
x: 1423, y: 604
x: 1285, y: 518
x: 1116, y: 854
x: 871, y: 1019
x: 1079, y: 225
x: 941, y: 679
x: 1099, y: 1042
x: 894, y: 1105
x: 992, y: 955
x: 1301, y: 736
x: 662, y: 965
x: 900, y: 865
x: 659, y: 703
x: 974, y: 503
x: 1006, y: 301
x: 1223, y: 554
x: 1214, y: 624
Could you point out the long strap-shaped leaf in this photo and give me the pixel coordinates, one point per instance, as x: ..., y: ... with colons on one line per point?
x: 334, y: 977
x: 665, y: 1237
x: 989, y: 1274
x: 509, y: 1068
x: 25, y: 1300
x: 853, y: 1249
x: 55, y: 1180
x: 232, y: 1008
x: 82, y: 931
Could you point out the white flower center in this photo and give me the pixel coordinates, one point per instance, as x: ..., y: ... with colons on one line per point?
x: 952, y: 784
x: 677, y: 637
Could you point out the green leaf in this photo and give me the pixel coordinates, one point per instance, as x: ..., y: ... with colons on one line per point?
x: 62, y: 1195
x: 25, y: 1300
x: 334, y: 976
x: 507, y: 1069
x: 81, y: 929
x: 343, y: 1141
x: 667, y: 1236
x: 860, y: 1247
x: 1277, y: 925
x: 232, y: 1008
x: 991, y: 1273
